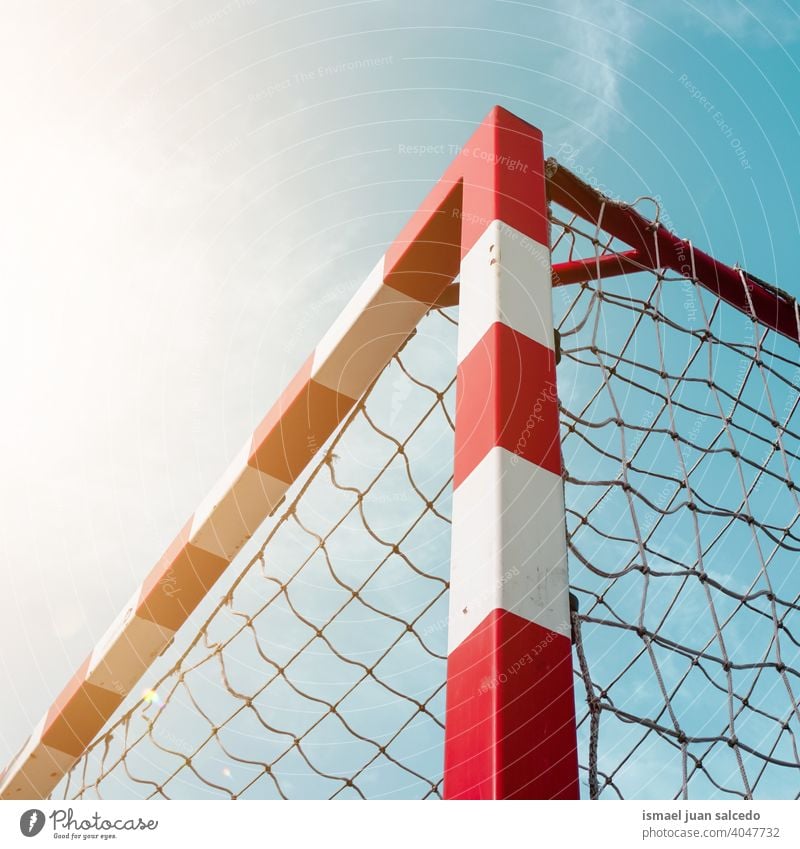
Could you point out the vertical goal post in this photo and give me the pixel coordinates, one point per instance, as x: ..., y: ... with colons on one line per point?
x: 510, y: 720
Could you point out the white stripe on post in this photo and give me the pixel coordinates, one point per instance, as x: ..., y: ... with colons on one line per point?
x: 498, y: 509
x: 524, y: 303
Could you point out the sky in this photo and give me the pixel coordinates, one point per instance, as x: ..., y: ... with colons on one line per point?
x: 191, y: 192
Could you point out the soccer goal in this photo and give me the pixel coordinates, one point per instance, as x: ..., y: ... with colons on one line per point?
x: 525, y: 525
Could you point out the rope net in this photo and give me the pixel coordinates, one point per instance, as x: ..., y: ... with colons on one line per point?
x: 680, y: 434
x: 320, y: 672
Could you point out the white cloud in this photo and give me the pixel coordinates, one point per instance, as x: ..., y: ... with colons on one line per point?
x: 601, y: 44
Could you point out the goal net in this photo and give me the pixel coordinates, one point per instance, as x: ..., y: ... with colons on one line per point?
x: 680, y: 432
x: 317, y: 666
x: 321, y: 672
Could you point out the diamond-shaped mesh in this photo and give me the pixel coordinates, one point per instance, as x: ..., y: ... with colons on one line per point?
x: 680, y: 434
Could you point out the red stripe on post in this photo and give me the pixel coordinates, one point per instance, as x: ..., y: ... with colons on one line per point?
x: 178, y: 582
x: 296, y: 427
x: 424, y: 259
x: 78, y: 714
x: 503, y: 172
x: 506, y: 396
x: 510, y: 713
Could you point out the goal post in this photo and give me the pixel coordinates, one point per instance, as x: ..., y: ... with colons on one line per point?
x: 510, y: 723
x: 481, y: 579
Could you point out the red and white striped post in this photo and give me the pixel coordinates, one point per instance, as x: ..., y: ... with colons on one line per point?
x: 510, y: 725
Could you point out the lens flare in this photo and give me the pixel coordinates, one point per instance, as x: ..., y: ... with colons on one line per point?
x: 151, y: 697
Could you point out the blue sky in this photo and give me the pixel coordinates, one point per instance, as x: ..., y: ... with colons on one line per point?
x: 195, y: 189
